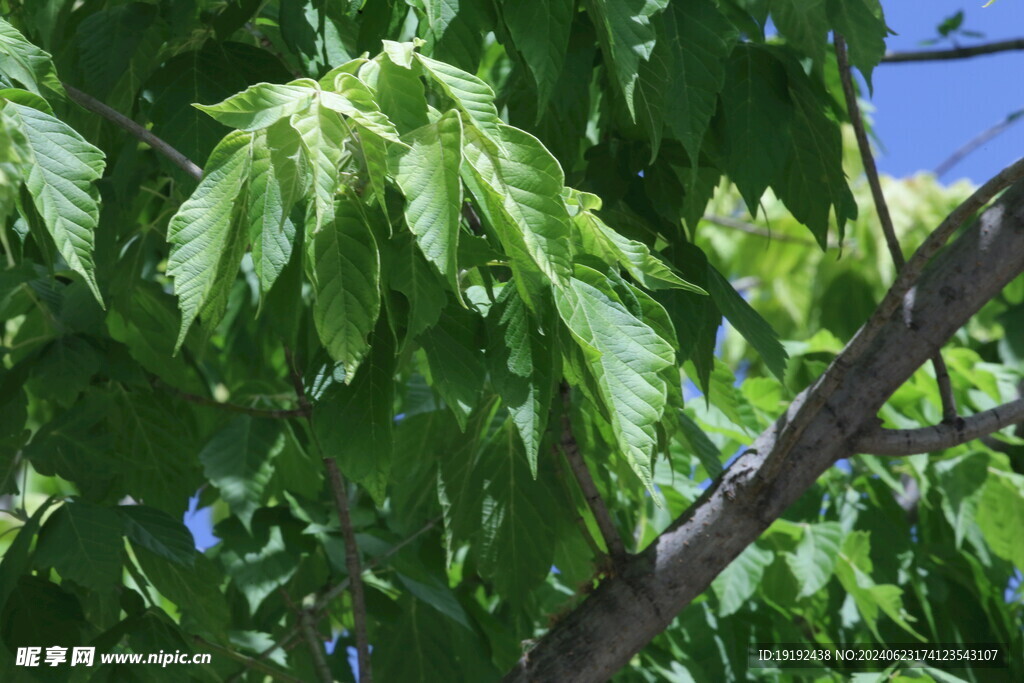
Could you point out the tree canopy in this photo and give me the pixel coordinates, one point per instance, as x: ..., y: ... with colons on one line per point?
x: 552, y: 340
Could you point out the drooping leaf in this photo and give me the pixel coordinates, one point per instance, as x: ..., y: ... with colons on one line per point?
x: 322, y: 133
x: 26, y: 63
x: 276, y: 180
x: 627, y: 38
x: 470, y: 94
x: 428, y: 174
x: 203, y: 230
x: 60, y: 169
x: 82, y: 541
x: 517, y: 185
x: 521, y: 362
x: 863, y: 25
x: 346, y: 265
x: 158, y: 532
x: 456, y: 362
x: 625, y: 356
x: 540, y: 31
x: 748, y: 322
x: 353, y: 99
x: 238, y: 460
x: 805, y: 25
x: 815, y: 556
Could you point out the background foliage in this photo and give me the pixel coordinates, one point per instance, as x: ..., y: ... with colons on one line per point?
x: 397, y: 254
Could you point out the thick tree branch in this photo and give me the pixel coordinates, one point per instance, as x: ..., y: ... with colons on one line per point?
x: 954, y: 53
x: 882, y: 207
x: 897, y: 442
x: 627, y: 610
x: 118, y: 119
x: 571, y: 449
x: 355, y: 572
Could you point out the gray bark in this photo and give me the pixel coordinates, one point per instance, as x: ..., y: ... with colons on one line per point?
x: 629, y: 609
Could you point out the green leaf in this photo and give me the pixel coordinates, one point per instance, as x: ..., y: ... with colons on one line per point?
x: 157, y: 531
x: 82, y: 541
x: 355, y: 100
x: 470, y: 94
x: 346, y: 267
x: 400, y: 92
x: 1001, y: 514
x: 194, y: 589
x: 518, y: 186
x: 815, y: 556
x: 961, y: 481
x: 700, y: 445
x: 428, y: 175
x: 456, y: 362
x: 748, y: 322
x: 625, y: 356
x: 804, y: 24
x: 27, y: 64
x: 322, y: 133
x: 354, y: 422
x: 418, y: 281
x: 276, y: 181
x: 262, y: 105
x: 259, y: 571
x: 862, y: 24
x: 627, y: 38
x: 635, y: 257
x: 39, y: 611
x: 239, y: 461
x: 739, y: 581
x: 60, y: 169
x: 756, y: 121
x: 521, y: 361
x: 108, y: 41
x: 202, y: 232
x: 540, y: 31
x: 16, y: 558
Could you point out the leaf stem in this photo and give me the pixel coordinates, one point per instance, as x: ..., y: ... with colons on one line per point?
x: 882, y: 207
x: 955, y: 53
x: 271, y: 413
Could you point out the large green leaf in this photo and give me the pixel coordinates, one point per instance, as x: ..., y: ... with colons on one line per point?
x: 521, y: 362
x: 748, y: 322
x: 470, y: 94
x: 17, y: 556
x: 625, y: 357
x: 346, y: 267
x: 108, y: 41
x: 262, y: 104
x: 26, y: 63
x: 203, y: 230
x: 739, y: 581
x: 158, y: 532
x: 540, y: 31
x: 518, y: 185
x: 804, y: 24
x: 82, y: 541
x: 627, y: 38
x: 239, y: 461
x: 322, y: 133
x: 456, y: 363
x: 276, y: 181
x: 60, y: 169
x: 259, y: 571
x: 815, y: 556
x: 194, y: 589
x: 863, y: 25
x: 428, y: 174
x: 1001, y: 514
x: 355, y: 100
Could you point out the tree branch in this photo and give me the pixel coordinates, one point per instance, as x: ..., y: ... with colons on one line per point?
x: 355, y: 572
x: 954, y: 53
x: 977, y: 141
x: 270, y: 413
x: 641, y: 600
x: 897, y: 442
x: 571, y: 449
x: 882, y: 207
x: 118, y: 119
x: 249, y: 662
x: 315, y: 644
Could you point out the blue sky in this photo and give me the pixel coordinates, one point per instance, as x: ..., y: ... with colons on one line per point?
x: 925, y: 111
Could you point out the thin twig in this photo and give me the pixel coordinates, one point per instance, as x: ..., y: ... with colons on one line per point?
x: 272, y: 413
x: 249, y: 662
x: 118, y: 119
x: 751, y: 229
x: 977, y: 141
x: 355, y: 572
x: 313, y: 642
x: 833, y: 377
x: 954, y: 53
x: 882, y: 207
x: 571, y: 449
x: 898, y: 442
